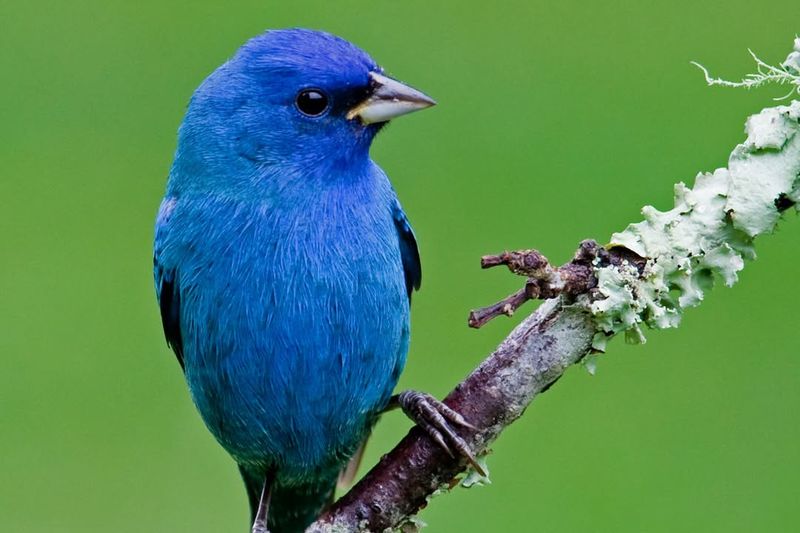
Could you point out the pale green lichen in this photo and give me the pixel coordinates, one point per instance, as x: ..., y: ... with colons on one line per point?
x: 792, y: 63
x: 411, y: 524
x: 709, y: 232
x: 474, y: 478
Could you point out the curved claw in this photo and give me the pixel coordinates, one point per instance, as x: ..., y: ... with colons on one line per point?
x: 435, y: 417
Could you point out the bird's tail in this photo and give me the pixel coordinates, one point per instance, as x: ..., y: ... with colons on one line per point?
x: 291, y: 509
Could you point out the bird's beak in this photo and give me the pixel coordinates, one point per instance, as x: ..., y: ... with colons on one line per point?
x: 388, y: 99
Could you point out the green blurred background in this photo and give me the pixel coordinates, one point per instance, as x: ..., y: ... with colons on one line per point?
x: 557, y: 122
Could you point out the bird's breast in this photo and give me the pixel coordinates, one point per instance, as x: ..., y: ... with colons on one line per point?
x: 298, y: 327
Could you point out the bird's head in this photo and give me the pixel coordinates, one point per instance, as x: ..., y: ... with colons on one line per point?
x: 296, y: 99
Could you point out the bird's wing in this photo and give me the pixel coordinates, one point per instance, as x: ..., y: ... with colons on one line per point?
x: 412, y: 268
x: 167, y: 290
x: 169, y: 300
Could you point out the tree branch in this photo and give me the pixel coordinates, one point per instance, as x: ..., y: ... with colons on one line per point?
x: 647, y: 276
x: 535, y: 355
x: 545, y: 281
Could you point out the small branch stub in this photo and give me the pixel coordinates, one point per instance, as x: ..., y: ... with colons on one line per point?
x: 544, y: 280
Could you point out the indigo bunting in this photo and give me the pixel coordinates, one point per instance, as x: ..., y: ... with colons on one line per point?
x: 284, y: 267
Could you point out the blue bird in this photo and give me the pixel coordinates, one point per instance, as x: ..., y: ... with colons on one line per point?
x: 284, y: 267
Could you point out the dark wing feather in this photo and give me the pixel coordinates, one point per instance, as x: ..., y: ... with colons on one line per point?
x: 169, y: 299
x: 412, y: 268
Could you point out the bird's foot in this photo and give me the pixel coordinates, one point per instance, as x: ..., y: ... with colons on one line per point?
x: 437, y: 420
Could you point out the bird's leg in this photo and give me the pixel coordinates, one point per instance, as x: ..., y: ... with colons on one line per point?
x: 437, y: 420
x: 260, y: 522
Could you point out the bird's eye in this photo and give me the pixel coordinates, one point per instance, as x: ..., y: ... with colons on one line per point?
x: 312, y: 102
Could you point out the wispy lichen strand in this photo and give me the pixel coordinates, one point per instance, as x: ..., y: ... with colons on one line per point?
x: 709, y: 232
x: 787, y: 73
